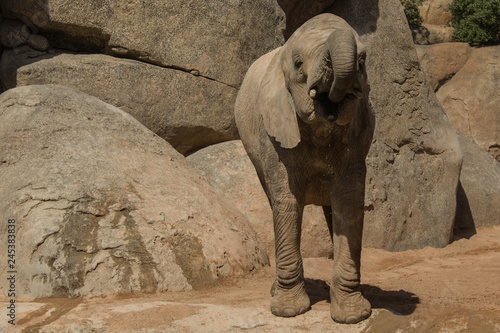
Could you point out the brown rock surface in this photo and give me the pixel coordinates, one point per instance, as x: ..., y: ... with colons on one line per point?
x: 471, y: 99
x: 441, y: 61
x: 227, y: 168
x: 220, y: 46
x: 432, y: 34
x: 436, y: 12
x: 12, y: 59
x: 413, y: 167
x: 104, y: 206
x: 297, y: 12
x: 414, y: 161
x: 430, y: 290
x: 189, y: 112
x: 478, y: 198
x: 13, y: 33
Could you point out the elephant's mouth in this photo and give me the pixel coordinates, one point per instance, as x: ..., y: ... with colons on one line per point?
x: 329, y: 110
x: 325, y: 108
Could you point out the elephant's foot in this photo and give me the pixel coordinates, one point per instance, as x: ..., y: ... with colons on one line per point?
x: 349, y: 308
x: 289, y: 302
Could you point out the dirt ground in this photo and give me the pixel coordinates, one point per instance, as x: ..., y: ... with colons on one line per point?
x: 454, y: 289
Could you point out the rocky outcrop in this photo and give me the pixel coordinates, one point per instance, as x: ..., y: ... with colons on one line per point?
x: 161, y: 32
x: 103, y: 205
x: 436, y: 12
x: 189, y: 112
x: 191, y: 102
x: 441, y: 61
x: 226, y: 166
x: 432, y: 34
x: 414, y: 162
x: 471, y: 99
x: 436, y: 27
x: 478, y: 197
x: 13, y: 33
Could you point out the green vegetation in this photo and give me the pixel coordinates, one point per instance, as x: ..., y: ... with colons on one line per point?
x: 477, y: 22
x: 412, y: 13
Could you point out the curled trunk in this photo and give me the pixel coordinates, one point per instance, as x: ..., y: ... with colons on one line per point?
x: 335, y: 71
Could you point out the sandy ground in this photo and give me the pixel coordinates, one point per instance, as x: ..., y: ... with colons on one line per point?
x: 454, y: 289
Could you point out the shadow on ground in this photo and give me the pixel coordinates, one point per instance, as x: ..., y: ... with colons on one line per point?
x: 399, y: 302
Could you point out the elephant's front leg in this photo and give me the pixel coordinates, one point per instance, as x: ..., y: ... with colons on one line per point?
x: 289, y: 296
x: 347, y: 303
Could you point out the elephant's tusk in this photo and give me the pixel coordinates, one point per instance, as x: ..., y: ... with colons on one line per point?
x: 312, y: 93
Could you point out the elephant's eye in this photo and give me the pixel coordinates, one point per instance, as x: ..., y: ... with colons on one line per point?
x: 361, y: 61
x: 297, y: 63
x: 361, y: 64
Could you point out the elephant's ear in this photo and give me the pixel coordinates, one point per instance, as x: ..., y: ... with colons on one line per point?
x: 277, y: 108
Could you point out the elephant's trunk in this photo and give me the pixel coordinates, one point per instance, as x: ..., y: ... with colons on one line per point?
x: 335, y: 71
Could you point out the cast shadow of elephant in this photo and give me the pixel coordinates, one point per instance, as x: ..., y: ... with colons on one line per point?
x: 399, y: 302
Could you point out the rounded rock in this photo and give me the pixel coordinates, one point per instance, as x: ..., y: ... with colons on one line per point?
x: 13, y: 33
x: 39, y: 43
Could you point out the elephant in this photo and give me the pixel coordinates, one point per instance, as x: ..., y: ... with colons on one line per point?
x: 305, y: 121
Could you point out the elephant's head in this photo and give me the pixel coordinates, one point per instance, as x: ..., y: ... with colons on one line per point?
x: 317, y: 76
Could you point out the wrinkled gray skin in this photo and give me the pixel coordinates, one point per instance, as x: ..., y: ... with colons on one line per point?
x: 305, y: 121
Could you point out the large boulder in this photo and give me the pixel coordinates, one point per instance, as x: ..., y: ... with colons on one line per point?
x: 188, y: 111
x: 472, y: 96
x: 226, y: 166
x: 414, y: 161
x: 436, y: 12
x: 436, y: 27
x: 432, y: 34
x: 191, y: 103
x: 216, y: 39
x: 441, y: 61
x: 478, y: 198
x: 102, y: 205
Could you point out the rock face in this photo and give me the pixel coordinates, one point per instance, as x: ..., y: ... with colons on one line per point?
x: 162, y: 32
x: 433, y: 34
x: 226, y: 166
x: 298, y: 12
x: 441, y: 61
x: 13, y: 33
x: 414, y: 162
x: 13, y: 59
x: 478, y: 197
x: 191, y: 102
x: 471, y: 99
x: 102, y: 205
x: 189, y: 112
x: 436, y: 27
x: 436, y: 12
